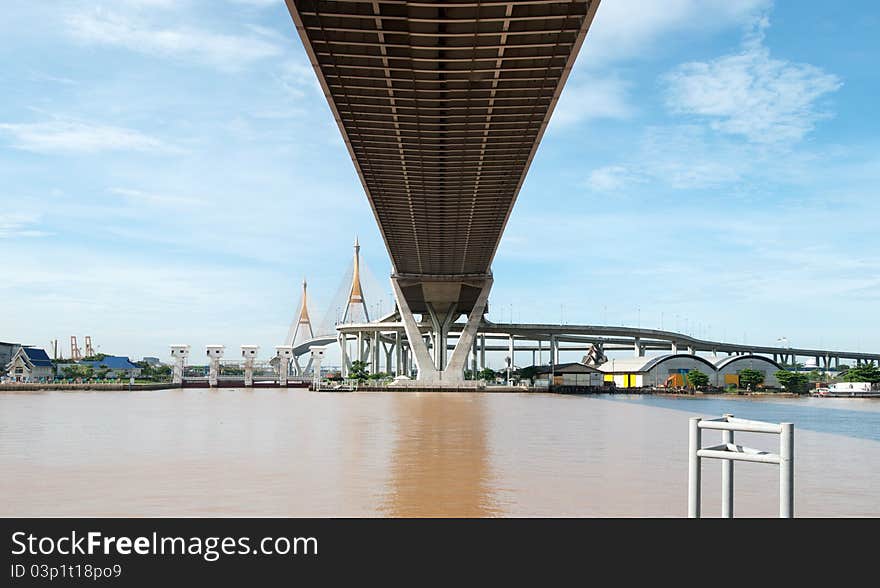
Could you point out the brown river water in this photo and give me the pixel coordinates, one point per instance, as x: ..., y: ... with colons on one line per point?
x: 297, y: 453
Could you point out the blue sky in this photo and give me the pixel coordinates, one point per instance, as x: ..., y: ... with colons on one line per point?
x: 169, y: 172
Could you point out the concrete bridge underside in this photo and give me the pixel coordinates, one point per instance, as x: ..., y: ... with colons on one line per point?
x: 442, y: 106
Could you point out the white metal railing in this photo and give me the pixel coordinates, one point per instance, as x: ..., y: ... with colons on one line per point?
x: 730, y: 452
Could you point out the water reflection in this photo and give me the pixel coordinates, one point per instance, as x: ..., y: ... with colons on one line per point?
x: 440, y: 462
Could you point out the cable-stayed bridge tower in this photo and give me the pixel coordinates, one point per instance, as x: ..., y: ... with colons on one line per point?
x: 356, y: 306
x: 301, y: 330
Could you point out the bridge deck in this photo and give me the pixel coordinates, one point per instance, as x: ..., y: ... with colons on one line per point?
x: 442, y: 106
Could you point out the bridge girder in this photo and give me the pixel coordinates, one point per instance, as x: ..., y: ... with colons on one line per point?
x: 442, y: 106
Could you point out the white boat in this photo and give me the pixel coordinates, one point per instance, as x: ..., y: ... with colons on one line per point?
x: 849, y: 390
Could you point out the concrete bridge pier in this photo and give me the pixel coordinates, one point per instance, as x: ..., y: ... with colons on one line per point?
x: 343, y: 347
x: 440, y: 297
x: 638, y: 348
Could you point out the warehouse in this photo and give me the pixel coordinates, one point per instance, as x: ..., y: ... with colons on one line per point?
x: 728, y: 369
x: 576, y: 375
x: 662, y: 371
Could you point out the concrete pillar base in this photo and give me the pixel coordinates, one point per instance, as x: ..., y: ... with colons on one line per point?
x: 433, y: 371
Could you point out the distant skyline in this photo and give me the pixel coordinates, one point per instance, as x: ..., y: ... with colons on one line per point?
x: 170, y: 172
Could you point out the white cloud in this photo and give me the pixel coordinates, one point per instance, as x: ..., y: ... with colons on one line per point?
x: 224, y: 51
x: 140, y: 198
x: 298, y: 78
x: 681, y: 157
x: 629, y: 28
x: 595, y: 98
x: 75, y: 136
x: 612, y: 178
x: 751, y: 94
x: 19, y: 224
x: 259, y: 3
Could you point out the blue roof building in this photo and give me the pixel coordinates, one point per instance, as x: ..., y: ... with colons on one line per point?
x: 118, y: 366
x: 29, y: 364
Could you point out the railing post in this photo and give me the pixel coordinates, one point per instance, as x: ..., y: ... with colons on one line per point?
x: 694, y: 468
x: 727, y: 478
x: 786, y: 471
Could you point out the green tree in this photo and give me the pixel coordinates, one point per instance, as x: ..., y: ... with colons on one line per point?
x: 74, y: 371
x: 749, y: 377
x: 487, y: 374
x: 793, y: 381
x: 697, y: 379
x: 358, y: 371
x: 863, y: 373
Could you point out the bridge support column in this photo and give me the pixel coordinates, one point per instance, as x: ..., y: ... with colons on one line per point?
x: 398, y: 360
x: 474, y: 357
x: 483, y: 351
x: 638, y: 348
x: 674, y: 347
x: 441, y: 324
x: 374, y: 354
x: 437, y: 371
x: 343, y: 346
x: 511, y: 348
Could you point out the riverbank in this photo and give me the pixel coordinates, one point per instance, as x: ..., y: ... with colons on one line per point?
x: 77, y: 387
x: 394, y: 389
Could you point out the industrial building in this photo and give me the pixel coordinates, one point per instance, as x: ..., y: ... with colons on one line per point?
x: 120, y: 367
x: 659, y: 371
x: 30, y: 364
x: 728, y: 368
x: 7, y: 351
